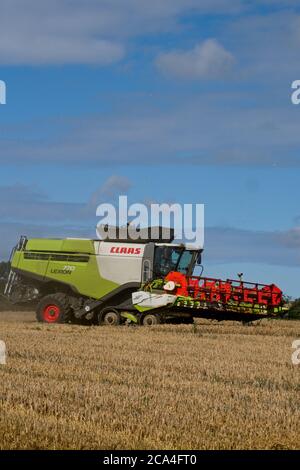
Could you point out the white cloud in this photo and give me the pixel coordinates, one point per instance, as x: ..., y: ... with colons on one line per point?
x: 208, y: 128
x: 206, y: 60
x: 248, y: 246
x: 61, y: 50
x: 96, y: 31
x: 88, y: 31
x: 55, y: 32
x: 25, y: 203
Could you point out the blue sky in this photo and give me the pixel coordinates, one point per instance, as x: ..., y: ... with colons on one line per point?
x: 175, y: 100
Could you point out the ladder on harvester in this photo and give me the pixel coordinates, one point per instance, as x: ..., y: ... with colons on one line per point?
x: 12, y: 277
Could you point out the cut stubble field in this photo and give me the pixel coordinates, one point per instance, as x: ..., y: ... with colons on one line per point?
x: 210, y: 386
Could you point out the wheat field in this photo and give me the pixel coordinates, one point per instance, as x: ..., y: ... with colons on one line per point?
x: 209, y: 386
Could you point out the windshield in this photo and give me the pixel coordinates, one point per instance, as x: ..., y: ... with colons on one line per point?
x: 169, y: 258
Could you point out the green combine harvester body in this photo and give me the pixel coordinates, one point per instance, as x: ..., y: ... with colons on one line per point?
x: 70, y: 262
x: 145, y: 281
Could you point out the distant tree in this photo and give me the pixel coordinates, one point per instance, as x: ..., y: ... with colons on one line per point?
x: 294, y: 311
x: 4, y: 269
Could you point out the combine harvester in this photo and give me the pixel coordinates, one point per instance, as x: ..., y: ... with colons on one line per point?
x: 111, y: 281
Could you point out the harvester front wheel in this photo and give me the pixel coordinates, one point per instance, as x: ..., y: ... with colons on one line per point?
x: 54, y: 308
x: 150, y: 319
x: 109, y: 317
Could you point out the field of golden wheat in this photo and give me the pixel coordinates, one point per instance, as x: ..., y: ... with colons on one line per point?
x: 209, y: 386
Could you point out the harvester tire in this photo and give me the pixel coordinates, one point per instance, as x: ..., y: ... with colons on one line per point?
x: 150, y: 319
x: 54, y: 308
x: 110, y: 317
